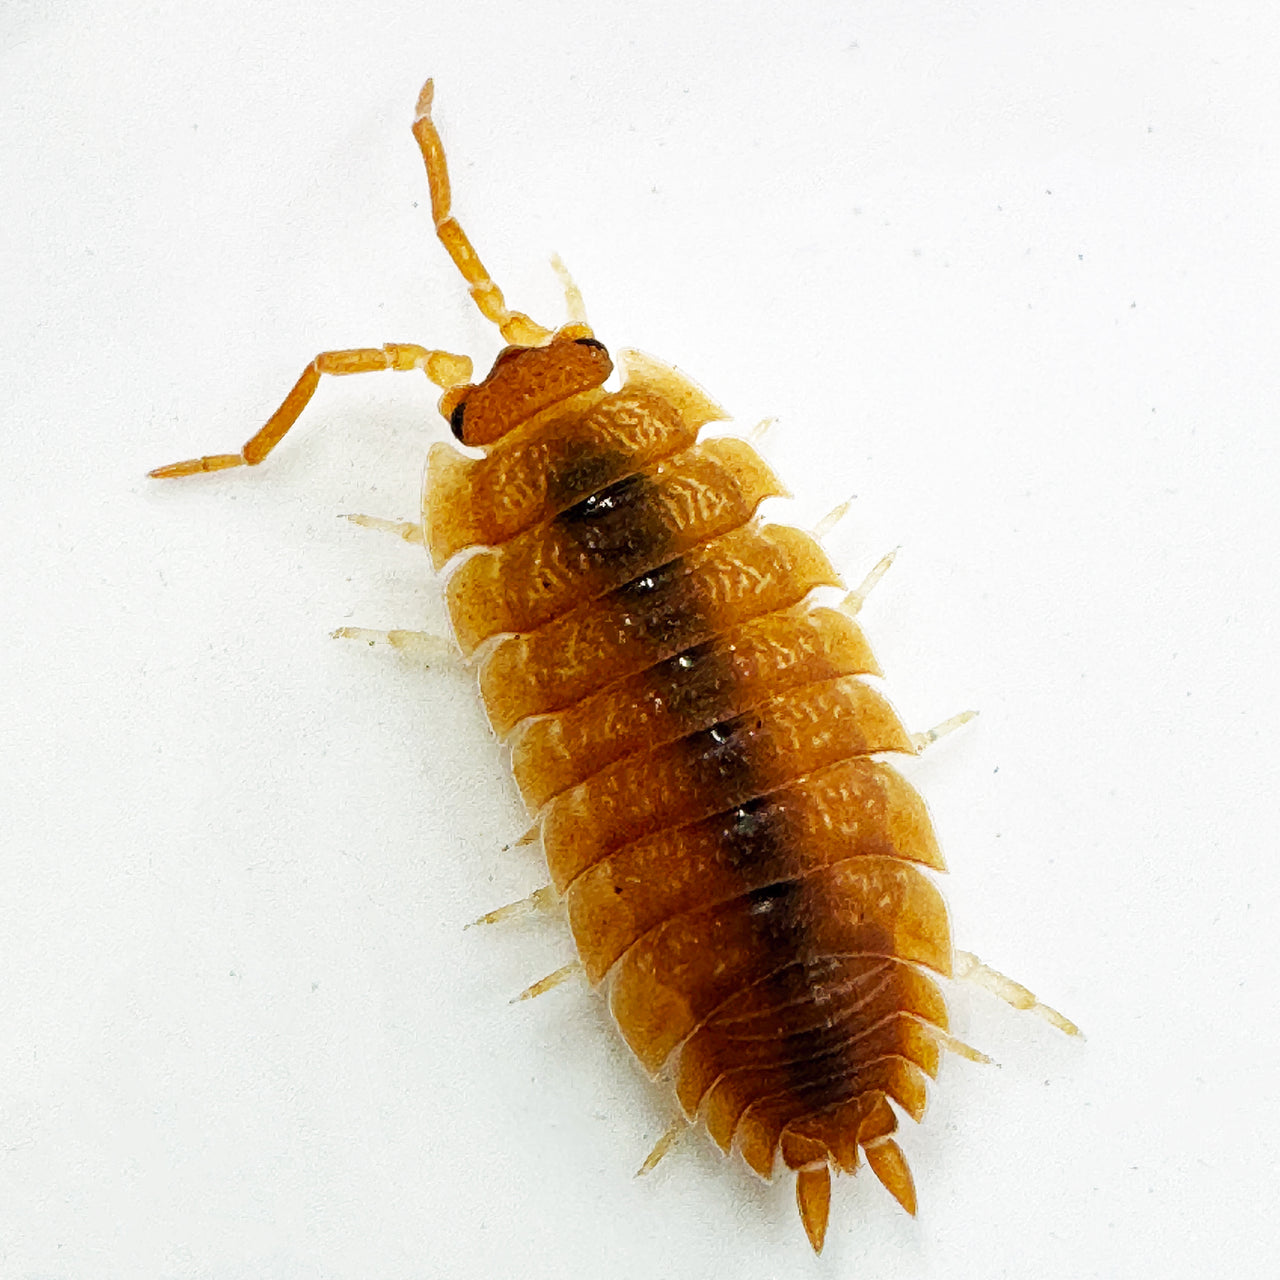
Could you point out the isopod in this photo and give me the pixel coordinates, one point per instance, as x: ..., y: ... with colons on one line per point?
x: 695, y: 738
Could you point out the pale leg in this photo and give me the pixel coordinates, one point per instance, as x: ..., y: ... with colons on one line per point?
x: 967, y: 966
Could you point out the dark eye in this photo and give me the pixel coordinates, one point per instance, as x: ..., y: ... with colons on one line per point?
x: 456, y: 417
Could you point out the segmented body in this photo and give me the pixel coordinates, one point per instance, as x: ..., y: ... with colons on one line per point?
x: 700, y: 748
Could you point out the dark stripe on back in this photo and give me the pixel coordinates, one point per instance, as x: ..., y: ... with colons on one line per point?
x: 622, y: 525
x: 660, y: 609
x: 808, y: 1055
x: 613, y: 521
x: 585, y: 470
x: 692, y: 684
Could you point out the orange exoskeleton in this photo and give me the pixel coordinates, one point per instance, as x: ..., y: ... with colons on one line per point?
x: 696, y: 740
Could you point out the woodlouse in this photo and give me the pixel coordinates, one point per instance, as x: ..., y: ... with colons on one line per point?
x: 697, y: 741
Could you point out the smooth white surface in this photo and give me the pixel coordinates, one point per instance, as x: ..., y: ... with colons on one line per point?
x: 1007, y: 272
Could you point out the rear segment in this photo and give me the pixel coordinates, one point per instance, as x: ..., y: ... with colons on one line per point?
x: 701, y: 747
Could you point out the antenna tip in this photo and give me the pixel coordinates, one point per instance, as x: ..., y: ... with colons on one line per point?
x: 423, y: 109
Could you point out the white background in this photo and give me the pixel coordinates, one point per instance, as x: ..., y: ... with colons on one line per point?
x: 1006, y: 272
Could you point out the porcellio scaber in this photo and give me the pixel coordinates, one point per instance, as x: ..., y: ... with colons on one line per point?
x: 696, y: 739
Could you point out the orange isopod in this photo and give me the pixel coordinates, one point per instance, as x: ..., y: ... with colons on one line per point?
x: 695, y: 739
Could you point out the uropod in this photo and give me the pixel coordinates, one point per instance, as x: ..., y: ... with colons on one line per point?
x: 743, y: 872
